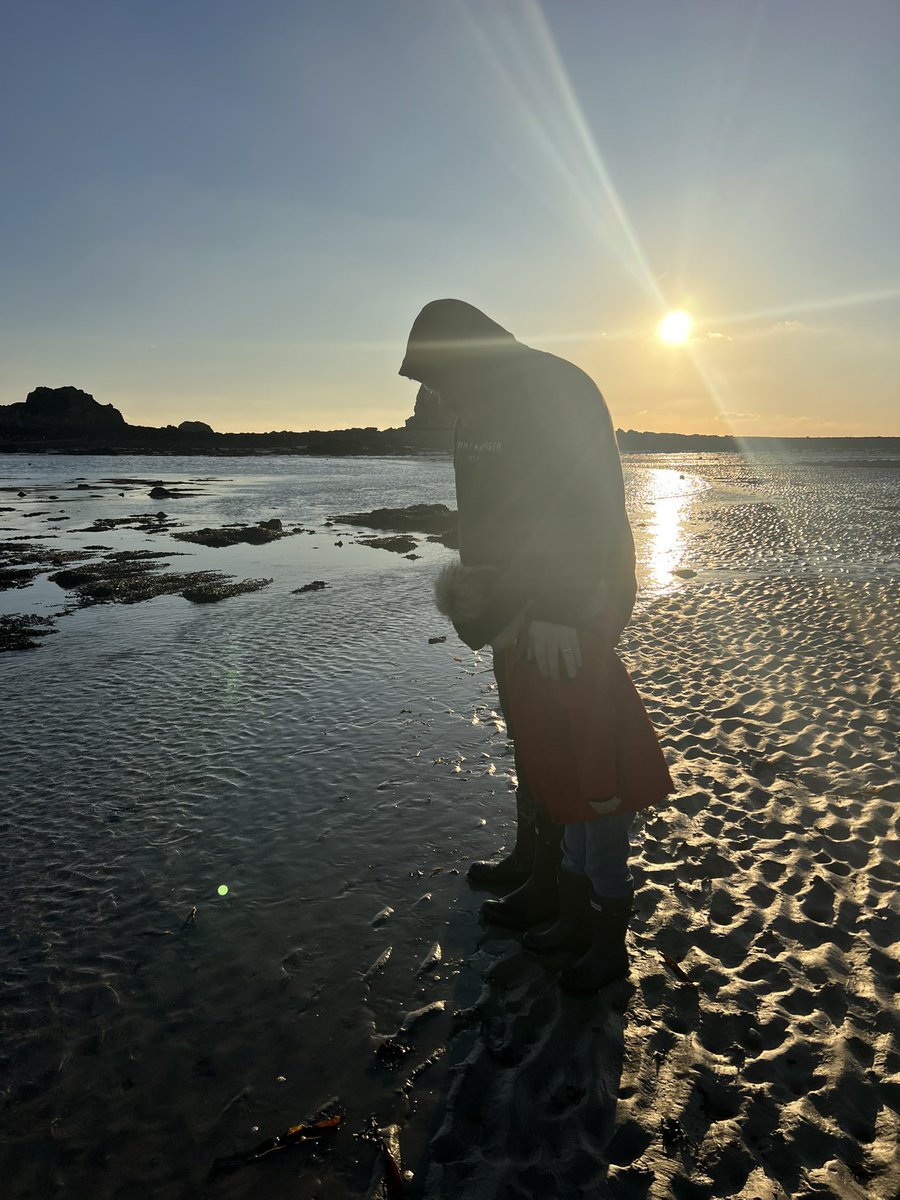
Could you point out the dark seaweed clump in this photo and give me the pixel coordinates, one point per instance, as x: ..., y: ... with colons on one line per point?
x: 231, y: 535
x: 415, y: 518
x: 125, y: 579
x: 400, y: 545
x: 17, y: 577
x: 145, y: 522
x: 20, y: 632
x: 21, y: 562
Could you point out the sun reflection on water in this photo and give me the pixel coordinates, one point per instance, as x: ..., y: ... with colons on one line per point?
x: 662, y: 505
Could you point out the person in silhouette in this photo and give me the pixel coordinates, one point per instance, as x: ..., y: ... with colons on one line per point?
x: 546, y: 574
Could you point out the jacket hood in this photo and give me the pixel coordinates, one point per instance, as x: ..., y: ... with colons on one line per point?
x: 450, y: 338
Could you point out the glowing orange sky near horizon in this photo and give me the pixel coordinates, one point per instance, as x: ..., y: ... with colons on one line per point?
x: 255, y: 262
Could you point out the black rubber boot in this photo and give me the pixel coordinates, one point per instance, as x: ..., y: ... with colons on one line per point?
x: 538, y: 898
x: 606, y: 959
x: 572, y: 930
x: 513, y: 870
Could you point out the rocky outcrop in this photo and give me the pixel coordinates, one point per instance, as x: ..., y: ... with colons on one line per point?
x: 431, y: 426
x: 231, y: 535
x: 195, y: 427
x: 62, y: 410
x: 69, y: 420
x: 429, y: 414
x: 416, y: 518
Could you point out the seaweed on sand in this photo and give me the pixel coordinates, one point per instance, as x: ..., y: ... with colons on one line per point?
x: 232, y: 535
x: 130, y: 581
x: 19, y: 631
x: 326, y: 1121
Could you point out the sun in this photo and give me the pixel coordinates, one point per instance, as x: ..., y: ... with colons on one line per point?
x: 675, y: 328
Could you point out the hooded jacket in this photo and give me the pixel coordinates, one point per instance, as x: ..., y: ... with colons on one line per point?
x: 538, y: 478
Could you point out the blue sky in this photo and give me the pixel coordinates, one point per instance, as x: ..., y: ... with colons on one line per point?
x: 232, y: 212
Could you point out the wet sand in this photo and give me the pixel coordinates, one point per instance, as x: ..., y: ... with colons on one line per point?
x: 322, y: 756
x: 767, y: 1064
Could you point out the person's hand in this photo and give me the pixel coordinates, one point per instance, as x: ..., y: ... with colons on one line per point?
x: 549, y: 643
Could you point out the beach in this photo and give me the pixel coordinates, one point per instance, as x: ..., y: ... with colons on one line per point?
x: 332, y: 766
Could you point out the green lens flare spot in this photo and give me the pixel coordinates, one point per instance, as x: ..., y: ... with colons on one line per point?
x: 222, y: 889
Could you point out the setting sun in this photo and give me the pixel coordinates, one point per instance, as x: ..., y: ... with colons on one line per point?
x: 674, y: 328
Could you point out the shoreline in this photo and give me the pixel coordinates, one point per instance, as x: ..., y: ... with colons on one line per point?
x: 342, y: 445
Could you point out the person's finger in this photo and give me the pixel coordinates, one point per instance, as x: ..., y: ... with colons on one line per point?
x: 570, y: 661
x: 552, y: 653
x: 541, y: 656
x: 576, y: 646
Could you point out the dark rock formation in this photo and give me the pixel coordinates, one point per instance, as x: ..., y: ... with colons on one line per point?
x: 209, y: 588
x: 315, y: 586
x: 431, y: 425
x: 70, y: 420
x: 399, y: 545
x: 632, y: 442
x: 231, y: 535
x: 416, y: 518
x: 62, y: 411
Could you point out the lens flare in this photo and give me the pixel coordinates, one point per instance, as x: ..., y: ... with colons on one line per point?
x: 675, y: 328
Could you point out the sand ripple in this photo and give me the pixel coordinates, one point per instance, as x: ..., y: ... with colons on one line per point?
x: 774, y: 1068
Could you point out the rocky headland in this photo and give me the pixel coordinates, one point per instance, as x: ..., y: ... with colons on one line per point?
x: 69, y: 420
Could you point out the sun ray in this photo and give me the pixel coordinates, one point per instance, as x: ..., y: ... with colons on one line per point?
x: 525, y: 58
x: 854, y: 300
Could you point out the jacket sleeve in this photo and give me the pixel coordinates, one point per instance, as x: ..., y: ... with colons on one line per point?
x: 577, y: 550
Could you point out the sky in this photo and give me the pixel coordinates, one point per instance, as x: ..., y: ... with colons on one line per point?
x: 230, y: 212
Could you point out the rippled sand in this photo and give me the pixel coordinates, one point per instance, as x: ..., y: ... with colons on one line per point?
x: 337, y: 773
x: 773, y: 1068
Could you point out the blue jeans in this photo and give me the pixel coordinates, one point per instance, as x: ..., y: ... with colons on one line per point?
x: 599, y: 849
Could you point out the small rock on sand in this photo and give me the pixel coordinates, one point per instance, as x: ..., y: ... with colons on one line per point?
x: 379, y: 964
x: 418, y: 1015
x: 431, y: 960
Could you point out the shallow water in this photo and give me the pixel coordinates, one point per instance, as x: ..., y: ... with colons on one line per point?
x: 319, y: 758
